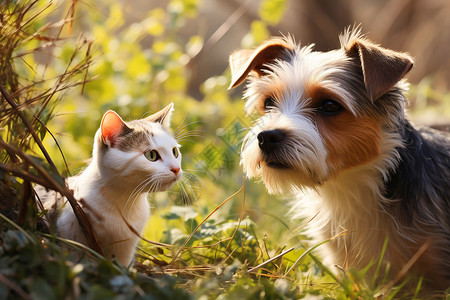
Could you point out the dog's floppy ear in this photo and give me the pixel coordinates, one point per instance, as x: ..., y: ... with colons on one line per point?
x: 382, y: 68
x: 244, y: 61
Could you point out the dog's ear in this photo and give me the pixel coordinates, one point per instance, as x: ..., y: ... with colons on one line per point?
x: 382, y: 68
x: 244, y: 61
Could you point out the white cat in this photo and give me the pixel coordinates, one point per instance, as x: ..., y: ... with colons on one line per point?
x: 129, y: 160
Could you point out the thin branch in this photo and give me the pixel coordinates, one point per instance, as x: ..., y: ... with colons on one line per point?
x: 26, y: 176
x: 57, y: 145
x: 220, y: 32
x: 406, y: 267
x: 13, y: 286
x: 81, y: 216
x: 23, y: 231
x: 240, y: 217
x: 211, y: 245
x: 133, y: 230
x: 201, y: 223
x: 312, y: 248
x: 272, y: 259
x: 29, y: 127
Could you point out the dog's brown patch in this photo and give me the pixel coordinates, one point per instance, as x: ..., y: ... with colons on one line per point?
x: 276, y: 93
x: 350, y: 141
x: 242, y: 62
x: 317, y: 93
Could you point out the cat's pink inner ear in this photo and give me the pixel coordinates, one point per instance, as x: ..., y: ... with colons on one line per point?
x: 111, y: 127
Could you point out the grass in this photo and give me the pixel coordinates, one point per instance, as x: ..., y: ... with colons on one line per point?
x: 234, y: 243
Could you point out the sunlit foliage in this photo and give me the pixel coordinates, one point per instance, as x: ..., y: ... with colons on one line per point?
x: 235, y: 242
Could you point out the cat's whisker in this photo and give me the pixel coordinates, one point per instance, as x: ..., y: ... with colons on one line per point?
x: 184, y: 132
x: 137, y: 189
x: 189, y: 138
x: 183, y: 193
x: 191, y: 172
x: 151, y: 185
x: 186, y: 140
x: 181, y: 132
x: 135, y: 194
x: 155, y: 186
x: 189, y: 186
x: 185, y: 137
x: 188, y: 133
x: 181, y: 126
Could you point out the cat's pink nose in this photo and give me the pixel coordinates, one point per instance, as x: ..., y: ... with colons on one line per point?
x: 175, y: 170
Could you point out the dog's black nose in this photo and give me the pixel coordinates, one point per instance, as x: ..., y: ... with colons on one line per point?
x: 270, y: 140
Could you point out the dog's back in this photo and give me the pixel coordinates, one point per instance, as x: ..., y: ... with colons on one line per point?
x: 420, y: 192
x: 422, y: 175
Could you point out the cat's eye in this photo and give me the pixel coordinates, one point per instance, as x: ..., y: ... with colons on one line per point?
x: 175, y: 152
x: 269, y: 103
x: 330, y: 107
x: 152, y: 155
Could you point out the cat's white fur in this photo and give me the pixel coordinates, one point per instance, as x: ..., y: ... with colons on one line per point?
x: 114, y: 188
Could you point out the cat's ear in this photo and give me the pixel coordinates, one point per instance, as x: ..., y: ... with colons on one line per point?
x: 112, y: 126
x: 164, y: 116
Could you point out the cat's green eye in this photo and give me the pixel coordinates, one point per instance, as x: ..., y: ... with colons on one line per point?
x: 175, y: 152
x: 152, y: 155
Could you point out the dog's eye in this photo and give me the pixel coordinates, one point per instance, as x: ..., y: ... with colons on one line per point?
x: 269, y: 103
x: 330, y: 107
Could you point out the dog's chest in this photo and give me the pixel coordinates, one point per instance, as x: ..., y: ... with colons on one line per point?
x: 354, y: 221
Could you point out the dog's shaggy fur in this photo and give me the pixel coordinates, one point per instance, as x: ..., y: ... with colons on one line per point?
x: 333, y: 128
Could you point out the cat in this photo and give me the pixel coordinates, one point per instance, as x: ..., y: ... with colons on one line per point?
x: 129, y: 160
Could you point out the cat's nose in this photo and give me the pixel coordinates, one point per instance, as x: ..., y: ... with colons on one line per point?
x: 175, y: 170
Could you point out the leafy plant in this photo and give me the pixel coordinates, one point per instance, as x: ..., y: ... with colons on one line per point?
x: 35, y: 266
x: 234, y: 243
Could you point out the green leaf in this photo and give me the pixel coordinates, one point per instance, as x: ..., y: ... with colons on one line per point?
x: 259, y: 31
x: 137, y: 66
x: 42, y: 290
x: 98, y: 292
x: 271, y: 11
x: 154, y: 24
x: 121, y: 283
x: 177, y: 212
x: 115, y: 19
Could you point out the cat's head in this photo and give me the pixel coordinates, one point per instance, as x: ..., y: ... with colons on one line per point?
x: 142, y: 154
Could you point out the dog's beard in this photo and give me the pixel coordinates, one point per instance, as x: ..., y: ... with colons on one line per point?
x: 300, y: 161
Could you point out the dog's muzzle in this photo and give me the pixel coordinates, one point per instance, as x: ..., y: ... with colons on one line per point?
x: 270, y: 142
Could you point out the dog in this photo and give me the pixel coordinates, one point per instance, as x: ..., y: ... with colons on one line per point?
x: 332, y: 129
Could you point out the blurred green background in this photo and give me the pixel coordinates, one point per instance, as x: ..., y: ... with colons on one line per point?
x: 146, y: 54
x: 142, y: 64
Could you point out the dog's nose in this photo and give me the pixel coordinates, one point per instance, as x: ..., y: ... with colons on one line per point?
x: 270, y: 140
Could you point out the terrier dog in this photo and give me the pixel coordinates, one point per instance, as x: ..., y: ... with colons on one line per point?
x: 332, y: 125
